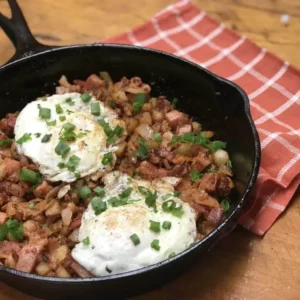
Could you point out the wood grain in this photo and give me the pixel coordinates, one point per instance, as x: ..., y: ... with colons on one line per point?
x: 242, y: 266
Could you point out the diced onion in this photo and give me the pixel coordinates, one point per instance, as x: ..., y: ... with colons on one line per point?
x: 145, y: 131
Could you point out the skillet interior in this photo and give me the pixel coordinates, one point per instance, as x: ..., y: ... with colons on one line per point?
x: 218, y: 104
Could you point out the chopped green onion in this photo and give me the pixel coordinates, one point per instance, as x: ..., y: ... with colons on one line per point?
x: 151, y: 200
x: 37, y: 134
x: 62, y: 118
x: 126, y: 193
x: 3, y: 232
x: 68, y: 127
x: 155, y: 245
x: 72, y: 163
x: 144, y: 191
x: 154, y: 226
x: 15, y: 228
x: 217, y: 145
x: 61, y: 165
x: 177, y: 211
x: 77, y: 174
x: 30, y: 176
x: 108, y: 270
x: 229, y: 164
x: 84, y: 192
x: 107, y: 159
x: 86, y: 241
x: 99, y: 191
x: 157, y: 137
x: 195, y: 175
x: 95, y: 109
x: 140, y: 99
x: 58, y: 108
x: 44, y: 113
x: 46, y: 138
x: 25, y: 138
x: 176, y: 193
x: 5, y: 143
x: 166, y: 225
x: 51, y: 123
x: 69, y: 99
x: 225, y: 204
x: 85, y: 97
x: 108, y: 131
x: 31, y: 205
x: 81, y: 134
x: 115, y: 201
x: 172, y: 254
x: 168, y: 206
x: 135, y: 239
x: 142, y: 150
x: 210, y: 171
x: 44, y: 99
x: 117, y: 132
x: 62, y: 148
x: 98, y: 205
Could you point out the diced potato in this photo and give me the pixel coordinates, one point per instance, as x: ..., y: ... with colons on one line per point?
x: 145, y: 118
x: 62, y: 272
x: 42, y: 269
x: 61, y: 253
x: 54, y: 209
x: 121, y: 149
x: 196, y: 126
x: 208, y: 134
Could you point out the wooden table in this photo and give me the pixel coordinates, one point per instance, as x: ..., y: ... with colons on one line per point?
x: 242, y: 266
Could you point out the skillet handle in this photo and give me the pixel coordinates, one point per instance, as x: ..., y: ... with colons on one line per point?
x: 19, y: 33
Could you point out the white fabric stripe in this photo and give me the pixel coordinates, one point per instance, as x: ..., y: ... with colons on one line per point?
x: 279, y: 110
x: 249, y: 66
x: 280, y: 140
x: 132, y: 39
x: 199, y: 44
x: 270, y: 82
x: 287, y: 166
x: 223, y: 53
x: 276, y: 206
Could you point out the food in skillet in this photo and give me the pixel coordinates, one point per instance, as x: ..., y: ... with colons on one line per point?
x: 102, y: 179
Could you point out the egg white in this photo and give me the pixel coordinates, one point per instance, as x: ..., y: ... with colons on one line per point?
x: 111, y: 250
x: 90, y: 148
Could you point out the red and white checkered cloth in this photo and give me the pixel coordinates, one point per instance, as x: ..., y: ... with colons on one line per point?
x: 272, y: 85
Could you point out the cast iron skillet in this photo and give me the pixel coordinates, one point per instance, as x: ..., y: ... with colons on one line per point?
x: 218, y: 104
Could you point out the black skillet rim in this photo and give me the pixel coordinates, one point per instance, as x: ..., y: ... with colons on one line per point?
x: 234, y: 214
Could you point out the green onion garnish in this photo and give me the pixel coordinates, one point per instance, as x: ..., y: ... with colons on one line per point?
x: 37, y: 134
x: 176, y: 193
x: 84, y: 192
x: 95, y: 109
x: 166, y: 197
x: 177, y: 211
x: 58, y: 108
x: 25, y: 138
x: 31, y: 205
x: 172, y: 254
x: 62, y: 118
x: 139, y: 102
x: 72, y: 163
x: 107, y: 159
x: 157, y: 137
x: 135, y: 239
x: 62, y: 148
x: 167, y: 206
x: 166, y: 225
x: 98, y: 205
x: 99, y: 191
x: 144, y: 191
x: 154, y: 226
x: 126, y: 193
x: 77, y: 174
x: 5, y: 143
x: 61, y: 165
x: 229, y: 164
x: 142, y: 150
x: 225, y: 204
x: 46, y: 138
x: 12, y: 227
x: 51, y: 123
x: 112, y: 135
x: 155, y: 245
x: 195, y: 175
x: 86, y: 241
x: 44, y: 113
x: 85, y: 97
x: 44, y: 99
x: 68, y: 127
x: 30, y: 176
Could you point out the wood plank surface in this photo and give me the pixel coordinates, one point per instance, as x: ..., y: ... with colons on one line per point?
x: 243, y: 266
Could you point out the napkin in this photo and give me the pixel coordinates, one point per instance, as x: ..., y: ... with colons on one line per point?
x: 272, y: 85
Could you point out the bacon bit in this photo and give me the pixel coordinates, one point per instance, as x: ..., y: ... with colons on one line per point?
x: 179, y: 170
x: 3, y: 218
x: 199, y: 197
x: 11, y: 189
x: 42, y: 190
x: 7, y: 248
x: 11, y: 167
x: 184, y: 184
x: 165, y: 153
x: 184, y: 129
x: 163, y: 105
x: 201, y: 161
x: 76, y: 222
x: 215, y: 216
x: 177, y: 118
x: 28, y: 257
x: 150, y: 171
x: 70, y: 263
